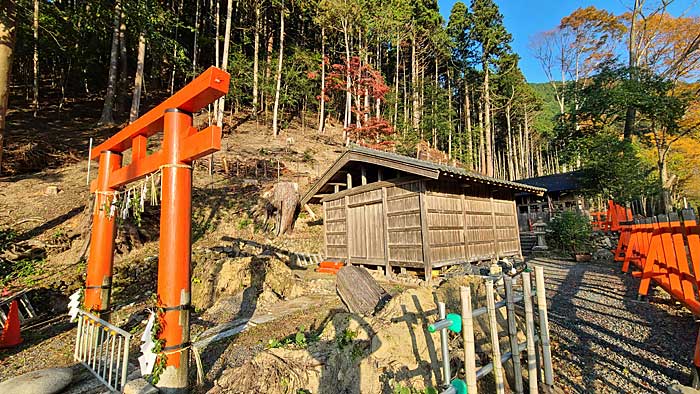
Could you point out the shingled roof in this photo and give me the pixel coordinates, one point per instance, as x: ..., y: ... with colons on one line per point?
x: 408, y: 165
x: 567, y: 181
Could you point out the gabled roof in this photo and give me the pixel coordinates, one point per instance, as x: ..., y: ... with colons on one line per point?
x: 409, y: 165
x: 567, y: 181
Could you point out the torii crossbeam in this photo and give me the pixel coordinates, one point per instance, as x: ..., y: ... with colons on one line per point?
x: 182, y: 143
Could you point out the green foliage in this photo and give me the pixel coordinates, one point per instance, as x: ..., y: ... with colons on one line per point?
x: 346, y: 338
x: 401, y: 389
x: 24, y: 268
x: 612, y: 168
x: 570, y: 231
x: 298, y: 340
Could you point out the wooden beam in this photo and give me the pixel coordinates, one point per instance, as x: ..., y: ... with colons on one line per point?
x: 424, y: 232
x: 493, y: 223
x: 325, y: 230
x: 310, y: 211
x: 204, y: 89
x: 363, y: 175
x: 347, y: 228
x: 349, y: 180
x: 385, y: 223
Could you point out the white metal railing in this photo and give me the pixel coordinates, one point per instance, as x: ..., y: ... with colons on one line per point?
x: 25, y: 309
x: 103, y: 349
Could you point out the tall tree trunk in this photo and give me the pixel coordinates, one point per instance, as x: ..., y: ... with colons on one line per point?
x: 35, y: 100
x: 8, y: 24
x: 415, y: 119
x: 481, y: 154
x: 510, y: 157
x: 195, y: 43
x: 122, y: 87
x: 256, y: 56
x: 468, y: 121
x: 487, y: 119
x: 449, y: 114
x: 217, y: 55
x: 275, y: 114
x: 433, y: 106
x: 224, y: 60
x: 405, y: 96
x: 175, y: 44
x: 264, y: 100
x: 107, y: 117
x: 322, y: 104
x: 396, y: 81
x: 348, y: 97
x: 631, y: 114
x: 138, y: 78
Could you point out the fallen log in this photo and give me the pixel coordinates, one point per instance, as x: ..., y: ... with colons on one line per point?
x: 359, y: 291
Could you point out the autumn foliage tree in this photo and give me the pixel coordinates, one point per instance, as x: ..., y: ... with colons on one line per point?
x: 361, y: 81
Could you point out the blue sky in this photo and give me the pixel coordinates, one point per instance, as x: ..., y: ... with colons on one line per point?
x: 525, y: 18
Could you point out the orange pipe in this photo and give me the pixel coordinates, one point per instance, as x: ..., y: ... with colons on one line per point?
x: 175, y: 234
x: 99, y: 269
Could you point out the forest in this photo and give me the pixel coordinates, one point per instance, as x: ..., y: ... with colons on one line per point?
x: 621, y: 102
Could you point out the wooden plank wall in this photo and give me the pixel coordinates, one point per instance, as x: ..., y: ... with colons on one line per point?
x: 469, y: 223
x: 463, y: 224
x: 404, y: 226
x: 365, y: 223
x: 335, y: 225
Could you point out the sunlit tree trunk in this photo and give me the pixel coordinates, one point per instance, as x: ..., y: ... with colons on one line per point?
x: 487, y: 120
x: 256, y: 57
x: 35, y: 100
x: 107, y: 117
x: 396, y: 81
x: 322, y: 104
x: 195, y: 43
x: 8, y: 23
x: 275, y: 111
x: 415, y: 119
x: 468, y: 121
x: 138, y: 78
x: 224, y: 60
x: 449, y: 114
x: 123, y: 85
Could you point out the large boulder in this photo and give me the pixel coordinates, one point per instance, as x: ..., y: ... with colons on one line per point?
x: 43, y: 381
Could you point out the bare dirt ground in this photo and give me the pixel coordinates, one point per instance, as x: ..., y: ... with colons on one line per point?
x: 607, y: 342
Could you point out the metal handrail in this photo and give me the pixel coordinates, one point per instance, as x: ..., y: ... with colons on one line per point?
x: 103, y: 349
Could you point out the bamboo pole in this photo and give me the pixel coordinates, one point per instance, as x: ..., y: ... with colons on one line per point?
x: 544, y: 325
x: 530, y: 334
x: 468, y: 339
x: 496, y: 350
x: 444, y: 347
x: 513, y: 334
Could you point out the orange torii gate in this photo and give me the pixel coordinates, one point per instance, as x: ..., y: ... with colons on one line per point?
x: 182, y: 143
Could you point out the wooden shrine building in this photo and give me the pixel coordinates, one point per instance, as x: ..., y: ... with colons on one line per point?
x: 394, y: 211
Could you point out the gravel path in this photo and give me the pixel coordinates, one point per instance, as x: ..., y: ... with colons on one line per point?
x: 604, y: 341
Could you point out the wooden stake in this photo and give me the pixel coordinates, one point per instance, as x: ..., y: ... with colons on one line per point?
x: 468, y: 339
x: 496, y: 350
x: 513, y: 334
x: 530, y: 333
x: 544, y: 325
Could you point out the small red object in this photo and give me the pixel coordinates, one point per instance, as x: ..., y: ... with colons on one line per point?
x: 5, y: 292
x: 329, y: 267
x: 11, y: 332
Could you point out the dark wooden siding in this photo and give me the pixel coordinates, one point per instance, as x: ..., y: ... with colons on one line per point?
x: 414, y: 222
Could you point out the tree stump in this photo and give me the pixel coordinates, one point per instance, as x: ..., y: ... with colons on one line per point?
x: 359, y: 291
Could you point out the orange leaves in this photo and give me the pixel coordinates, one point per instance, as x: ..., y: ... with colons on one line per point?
x: 668, y: 45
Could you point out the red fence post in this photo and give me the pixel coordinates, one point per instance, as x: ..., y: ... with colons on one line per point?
x: 174, y: 255
x: 98, y: 285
